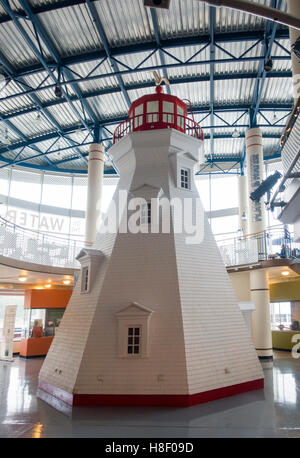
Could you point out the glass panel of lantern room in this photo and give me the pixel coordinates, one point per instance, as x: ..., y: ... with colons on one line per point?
x: 152, y: 111
x: 168, y: 112
x: 180, y: 117
x: 138, y: 115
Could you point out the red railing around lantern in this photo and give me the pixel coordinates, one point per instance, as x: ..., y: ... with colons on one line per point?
x: 158, y: 120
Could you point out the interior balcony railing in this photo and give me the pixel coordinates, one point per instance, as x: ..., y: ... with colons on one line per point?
x: 36, y: 247
x: 274, y: 243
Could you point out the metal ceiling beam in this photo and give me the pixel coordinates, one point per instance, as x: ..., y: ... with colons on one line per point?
x: 38, y: 106
x: 17, y: 132
x: 100, y: 54
x: 158, y: 41
x: 8, y: 162
x: 264, y: 11
x: 103, y: 38
x: 257, y: 9
x: 261, y: 75
x: 212, y: 18
x: 223, y: 109
x: 42, y: 33
x: 55, y: 55
x: 36, y: 51
x: 53, y: 135
x: 137, y: 86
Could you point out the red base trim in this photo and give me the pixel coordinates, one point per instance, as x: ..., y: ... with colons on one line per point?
x: 173, y: 400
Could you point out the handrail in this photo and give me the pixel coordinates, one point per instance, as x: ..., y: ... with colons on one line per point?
x: 273, y: 243
x: 158, y: 120
x: 36, y: 247
x: 252, y: 234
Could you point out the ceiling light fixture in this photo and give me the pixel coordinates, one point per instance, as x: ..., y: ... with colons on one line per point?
x: 235, y: 133
x: 22, y: 278
x: 5, y: 139
x: 268, y: 65
x: 58, y: 91
x: 66, y: 282
x: 38, y: 118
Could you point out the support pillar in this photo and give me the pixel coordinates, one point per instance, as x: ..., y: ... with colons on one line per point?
x: 294, y: 10
x: 261, y: 322
x: 243, y: 204
x: 94, y: 191
x: 261, y: 318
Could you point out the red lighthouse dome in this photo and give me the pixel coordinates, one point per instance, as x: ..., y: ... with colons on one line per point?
x: 158, y: 111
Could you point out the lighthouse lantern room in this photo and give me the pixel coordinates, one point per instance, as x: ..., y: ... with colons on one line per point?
x: 158, y: 111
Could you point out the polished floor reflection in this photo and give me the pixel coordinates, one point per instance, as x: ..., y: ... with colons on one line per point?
x: 272, y: 412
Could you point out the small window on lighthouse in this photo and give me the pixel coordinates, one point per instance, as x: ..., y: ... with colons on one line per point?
x: 146, y: 213
x: 168, y: 112
x: 152, y: 111
x: 180, y: 117
x: 85, y: 280
x: 185, y: 179
x: 138, y: 115
x: 133, y: 341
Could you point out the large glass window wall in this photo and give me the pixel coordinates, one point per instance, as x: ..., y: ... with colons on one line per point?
x: 56, y: 203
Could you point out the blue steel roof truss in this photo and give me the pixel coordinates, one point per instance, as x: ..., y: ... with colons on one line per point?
x: 60, y: 72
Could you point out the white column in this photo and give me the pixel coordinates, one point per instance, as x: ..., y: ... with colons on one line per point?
x: 243, y: 204
x: 255, y: 168
x: 94, y: 191
x: 294, y: 9
x: 261, y: 318
x: 261, y: 322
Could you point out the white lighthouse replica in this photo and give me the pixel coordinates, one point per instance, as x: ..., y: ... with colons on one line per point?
x: 153, y: 319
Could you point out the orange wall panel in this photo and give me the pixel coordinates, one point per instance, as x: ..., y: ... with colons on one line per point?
x: 45, y: 299
x: 35, y: 347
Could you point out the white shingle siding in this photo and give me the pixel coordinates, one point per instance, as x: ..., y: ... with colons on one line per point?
x: 196, y: 330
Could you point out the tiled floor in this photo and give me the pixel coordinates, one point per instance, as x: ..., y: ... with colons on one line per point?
x: 274, y: 412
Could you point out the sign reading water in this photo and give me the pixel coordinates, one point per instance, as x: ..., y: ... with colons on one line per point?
x: 35, y: 221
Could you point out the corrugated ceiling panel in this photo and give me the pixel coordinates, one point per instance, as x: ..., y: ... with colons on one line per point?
x: 197, y: 93
x: 12, y: 105
x: 279, y: 89
x: 71, y: 30
x: 109, y: 105
x: 184, y: 18
x: 31, y: 125
x: 233, y: 91
x: 90, y: 69
x: 125, y: 22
